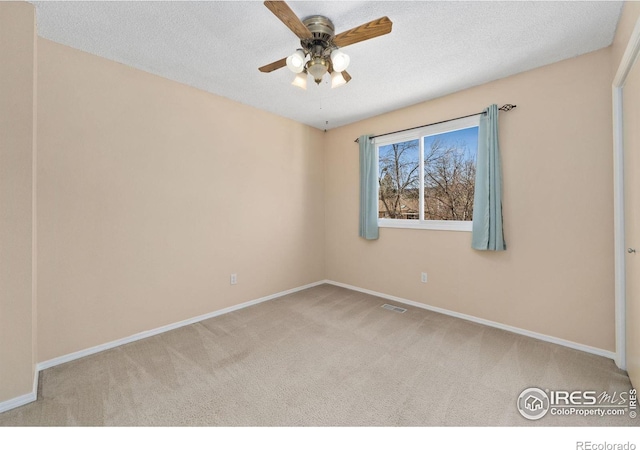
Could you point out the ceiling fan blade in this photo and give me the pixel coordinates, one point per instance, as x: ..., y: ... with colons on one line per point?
x: 273, y: 66
x: 289, y: 18
x: 365, y: 31
x: 346, y: 76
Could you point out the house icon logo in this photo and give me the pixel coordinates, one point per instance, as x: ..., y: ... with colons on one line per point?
x: 533, y: 403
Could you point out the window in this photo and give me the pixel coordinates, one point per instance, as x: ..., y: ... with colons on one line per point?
x: 426, y: 177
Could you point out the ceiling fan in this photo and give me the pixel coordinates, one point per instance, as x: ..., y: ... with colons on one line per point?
x: 320, y: 52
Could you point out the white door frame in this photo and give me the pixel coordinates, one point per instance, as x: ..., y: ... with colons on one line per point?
x: 626, y: 64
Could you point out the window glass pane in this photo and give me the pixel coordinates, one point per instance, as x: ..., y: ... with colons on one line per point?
x: 398, y: 179
x: 450, y: 174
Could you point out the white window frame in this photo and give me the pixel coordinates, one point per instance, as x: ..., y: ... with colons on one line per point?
x: 420, y: 134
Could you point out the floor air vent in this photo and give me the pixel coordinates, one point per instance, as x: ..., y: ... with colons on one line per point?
x: 394, y: 308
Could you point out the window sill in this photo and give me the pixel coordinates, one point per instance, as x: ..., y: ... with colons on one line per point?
x: 446, y: 225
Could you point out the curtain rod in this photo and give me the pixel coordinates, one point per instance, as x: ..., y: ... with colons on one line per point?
x: 507, y: 107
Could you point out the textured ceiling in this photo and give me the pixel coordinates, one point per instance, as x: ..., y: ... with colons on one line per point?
x: 435, y: 48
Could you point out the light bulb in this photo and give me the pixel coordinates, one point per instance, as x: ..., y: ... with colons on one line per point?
x: 339, y: 60
x: 295, y: 62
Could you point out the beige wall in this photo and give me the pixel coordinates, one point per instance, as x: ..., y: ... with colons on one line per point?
x: 556, y: 278
x: 151, y: 193
x: 17, y: 122
x: 631, y: 118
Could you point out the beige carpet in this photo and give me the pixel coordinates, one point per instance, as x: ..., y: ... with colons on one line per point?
x: 323, y: 356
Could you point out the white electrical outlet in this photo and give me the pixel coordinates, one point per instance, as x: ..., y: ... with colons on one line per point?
x: 234, y: 278
x: 423, y: 277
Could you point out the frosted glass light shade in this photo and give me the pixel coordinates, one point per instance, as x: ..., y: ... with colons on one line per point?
x: 295, y: 62
x: 300, y: 81
x: 317, y: 67
x: 339, y: 60
x: 337, y: 79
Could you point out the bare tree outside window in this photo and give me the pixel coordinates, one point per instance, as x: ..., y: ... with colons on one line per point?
x: 398, y: 179
x: 449, y: 177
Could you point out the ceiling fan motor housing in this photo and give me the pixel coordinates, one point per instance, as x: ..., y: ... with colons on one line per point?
x: 321, y: 28
x: 319, y: 46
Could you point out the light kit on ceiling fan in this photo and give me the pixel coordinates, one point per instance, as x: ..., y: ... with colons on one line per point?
x: 320, y: 53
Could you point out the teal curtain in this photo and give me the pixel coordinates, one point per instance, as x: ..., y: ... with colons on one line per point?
x: 368, y: 189
x: 487, y: 204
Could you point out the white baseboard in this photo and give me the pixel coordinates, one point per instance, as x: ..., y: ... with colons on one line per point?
x: 145, y: 334
x: 18, y: 401
x: 23, y: 399
x: 531, y: 334
x: 32, y: 396
x: 36, y: 378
